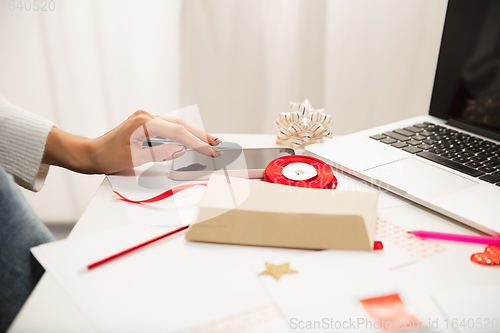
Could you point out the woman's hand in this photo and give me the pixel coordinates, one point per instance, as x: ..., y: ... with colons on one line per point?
x: 121, y: 148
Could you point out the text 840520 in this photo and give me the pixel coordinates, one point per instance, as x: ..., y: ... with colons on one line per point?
x: 28, y: 5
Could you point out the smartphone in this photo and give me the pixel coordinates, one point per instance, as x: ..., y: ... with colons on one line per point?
x: 246, y: 163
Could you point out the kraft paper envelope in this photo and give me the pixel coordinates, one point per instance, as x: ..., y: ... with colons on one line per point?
x: 250, y: 212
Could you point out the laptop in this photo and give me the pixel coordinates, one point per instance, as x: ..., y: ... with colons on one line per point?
x: 448, y: 160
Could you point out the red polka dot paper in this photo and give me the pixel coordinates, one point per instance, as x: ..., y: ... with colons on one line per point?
x: 417, y: 247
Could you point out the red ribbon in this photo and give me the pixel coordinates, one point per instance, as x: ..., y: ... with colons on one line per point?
x: 323, y: 179
x: 164, y: 195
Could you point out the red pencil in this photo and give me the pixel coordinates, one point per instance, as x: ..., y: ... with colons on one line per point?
x: 119, y: 254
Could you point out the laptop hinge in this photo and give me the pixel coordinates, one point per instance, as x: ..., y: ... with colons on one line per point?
x: 473, y: 129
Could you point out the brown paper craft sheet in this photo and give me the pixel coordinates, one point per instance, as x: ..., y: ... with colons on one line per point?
x: 250, y: 212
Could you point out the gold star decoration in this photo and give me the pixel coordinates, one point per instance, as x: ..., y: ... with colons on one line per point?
x: 277, y: 270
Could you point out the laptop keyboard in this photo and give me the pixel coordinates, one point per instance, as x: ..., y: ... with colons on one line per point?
x: 456, y: 150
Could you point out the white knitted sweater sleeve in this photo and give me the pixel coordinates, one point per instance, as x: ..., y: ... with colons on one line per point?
x: 22, y: 142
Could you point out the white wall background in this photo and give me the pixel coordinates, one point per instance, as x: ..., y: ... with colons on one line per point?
x: 87, y: 65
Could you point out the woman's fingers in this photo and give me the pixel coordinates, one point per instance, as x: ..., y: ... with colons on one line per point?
x: 176, y: 132
x: 208, y: 138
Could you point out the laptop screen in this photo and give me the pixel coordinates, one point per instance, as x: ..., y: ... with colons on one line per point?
x: 467, y: 83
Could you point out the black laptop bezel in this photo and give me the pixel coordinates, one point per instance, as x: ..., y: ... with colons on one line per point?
x: 455, y: 9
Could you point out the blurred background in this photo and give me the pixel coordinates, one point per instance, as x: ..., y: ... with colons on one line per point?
x: 87, y: 65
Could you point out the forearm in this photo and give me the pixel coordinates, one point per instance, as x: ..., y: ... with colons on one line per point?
x: 121, y: 148
x: 69, y: 151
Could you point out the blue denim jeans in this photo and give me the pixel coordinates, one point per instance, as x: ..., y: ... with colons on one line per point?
x: 20, y: 230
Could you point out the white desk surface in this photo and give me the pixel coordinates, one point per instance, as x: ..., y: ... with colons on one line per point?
x: 49, y: 309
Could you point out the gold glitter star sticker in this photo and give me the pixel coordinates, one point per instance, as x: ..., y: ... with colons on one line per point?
x: 277, y: 270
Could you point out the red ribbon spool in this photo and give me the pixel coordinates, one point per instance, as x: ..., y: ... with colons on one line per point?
x: 324, y: 177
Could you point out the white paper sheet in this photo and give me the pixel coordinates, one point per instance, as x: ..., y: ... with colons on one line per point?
x: 470, y: 310
x: 391, y: 257
x: 167, y: 286
x: 325, y: 294
x: 177, y: 285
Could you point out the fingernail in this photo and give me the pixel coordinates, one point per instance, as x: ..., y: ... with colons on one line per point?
x: 218, y: 153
